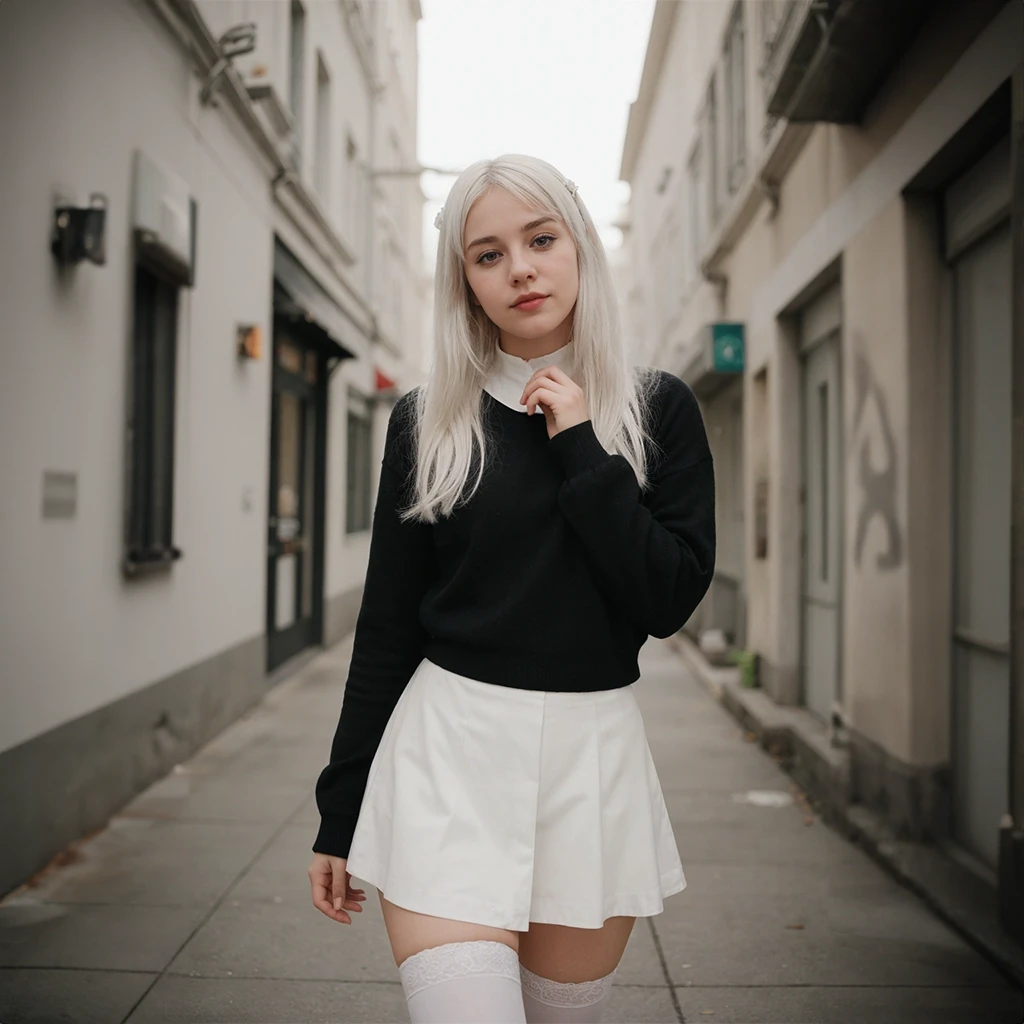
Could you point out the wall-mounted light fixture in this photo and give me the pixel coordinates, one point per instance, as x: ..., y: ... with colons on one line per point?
x: 79, y: 232
x: 250, y: 341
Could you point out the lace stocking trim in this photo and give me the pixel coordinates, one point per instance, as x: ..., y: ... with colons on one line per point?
x: 564, y: 993
x: 457, y: 960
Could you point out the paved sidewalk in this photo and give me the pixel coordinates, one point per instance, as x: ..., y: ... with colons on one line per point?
x: 193, y: 905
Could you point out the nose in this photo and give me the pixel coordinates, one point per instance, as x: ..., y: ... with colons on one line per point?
x: 521, y: 267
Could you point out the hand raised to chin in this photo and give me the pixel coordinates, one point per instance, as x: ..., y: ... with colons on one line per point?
x: 558, y: 396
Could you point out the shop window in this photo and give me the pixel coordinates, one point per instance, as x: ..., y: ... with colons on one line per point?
x: 152, y: 422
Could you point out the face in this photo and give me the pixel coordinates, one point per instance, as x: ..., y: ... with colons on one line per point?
x: 512, y: 250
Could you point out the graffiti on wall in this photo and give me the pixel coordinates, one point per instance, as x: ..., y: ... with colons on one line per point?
x: 876, y: 470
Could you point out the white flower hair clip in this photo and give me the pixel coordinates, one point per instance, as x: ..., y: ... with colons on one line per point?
x: 439, y: 218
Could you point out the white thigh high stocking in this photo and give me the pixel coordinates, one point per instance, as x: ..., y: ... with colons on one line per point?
x: 463, y: 983
x: 562, y: 1002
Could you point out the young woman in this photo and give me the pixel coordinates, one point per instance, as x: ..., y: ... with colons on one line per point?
x: 490, y: 774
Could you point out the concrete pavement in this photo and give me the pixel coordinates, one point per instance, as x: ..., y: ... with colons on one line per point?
x: 193, y: 904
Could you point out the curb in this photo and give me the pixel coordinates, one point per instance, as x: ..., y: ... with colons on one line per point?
x: 799, y: 742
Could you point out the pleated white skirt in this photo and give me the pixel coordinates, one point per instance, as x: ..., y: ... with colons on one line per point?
x: 501, y: 806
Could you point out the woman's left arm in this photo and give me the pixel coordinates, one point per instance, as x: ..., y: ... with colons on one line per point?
x: 655, y: 554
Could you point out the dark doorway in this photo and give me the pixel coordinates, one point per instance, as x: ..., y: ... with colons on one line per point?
x: 295, y: 525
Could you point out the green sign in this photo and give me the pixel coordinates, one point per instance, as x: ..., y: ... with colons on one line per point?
x: 727, y: 345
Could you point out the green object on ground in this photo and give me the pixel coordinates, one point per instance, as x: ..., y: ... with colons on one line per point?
x: 747, y: 661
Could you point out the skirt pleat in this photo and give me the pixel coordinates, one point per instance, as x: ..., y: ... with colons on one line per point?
x: 501, y: 807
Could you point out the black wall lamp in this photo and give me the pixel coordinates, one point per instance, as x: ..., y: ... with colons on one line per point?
x: 79, y: 232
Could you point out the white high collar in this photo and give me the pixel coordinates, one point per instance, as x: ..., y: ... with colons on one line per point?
x: 508, y: 380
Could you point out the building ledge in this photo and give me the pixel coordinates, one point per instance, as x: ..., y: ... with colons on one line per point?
x: 292, y: 195
x: 760, y: 185
x: 957, y: 894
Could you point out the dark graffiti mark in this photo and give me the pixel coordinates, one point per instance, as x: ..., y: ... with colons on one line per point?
x: 877, y: 486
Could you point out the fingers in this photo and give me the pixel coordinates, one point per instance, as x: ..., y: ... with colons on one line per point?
x: 342, y: 893
x: 339, y: 885
x: 330, y: 878
x: 541, y: 395
x: 534, y: 386
x: 322, y: 903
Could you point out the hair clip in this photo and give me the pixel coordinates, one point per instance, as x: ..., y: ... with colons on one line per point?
x: 571, y: 186
x: 439, y: 218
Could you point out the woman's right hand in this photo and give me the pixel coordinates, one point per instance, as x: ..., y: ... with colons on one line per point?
x: 331, y: 883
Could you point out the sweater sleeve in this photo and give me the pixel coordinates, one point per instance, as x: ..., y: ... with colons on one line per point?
x: 387, y: 646
x: 653, y: 553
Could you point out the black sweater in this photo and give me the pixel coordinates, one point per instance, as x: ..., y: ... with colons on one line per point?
x: 551, y: 577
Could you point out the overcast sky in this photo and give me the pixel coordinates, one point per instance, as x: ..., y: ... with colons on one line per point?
x: 552, y: 78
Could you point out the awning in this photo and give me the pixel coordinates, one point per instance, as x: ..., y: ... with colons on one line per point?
x: 299, y: 297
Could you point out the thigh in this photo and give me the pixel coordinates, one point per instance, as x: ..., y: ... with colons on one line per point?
x: 560, y: 953
x: 410, y: 932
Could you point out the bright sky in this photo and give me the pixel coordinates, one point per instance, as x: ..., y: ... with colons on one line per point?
x: 553, y: 78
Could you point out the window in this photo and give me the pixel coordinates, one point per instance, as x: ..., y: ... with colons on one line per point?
x: 354, y: 206
x: 675, y: 262
x: 695, y: 211
x: 358, y: 454
x: 709, y: 145
x: 399, y: 183
x: 397, y: 274
x: 297, y: 79
x: 149, y: 540
x: 668, y: 284
x: 322, y: 159
x: 738, y: 468
x: 657, y: 258
x: 735, y: 76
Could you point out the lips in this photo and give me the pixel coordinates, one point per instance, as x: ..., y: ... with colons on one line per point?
x: 530, y: 301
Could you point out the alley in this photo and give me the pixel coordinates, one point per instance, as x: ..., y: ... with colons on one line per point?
x: 193, y: 905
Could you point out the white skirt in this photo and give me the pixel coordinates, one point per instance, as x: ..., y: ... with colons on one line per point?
x: 502, y: 806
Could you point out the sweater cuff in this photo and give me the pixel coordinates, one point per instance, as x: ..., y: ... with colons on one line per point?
x: 334, y: 836
x: 578, y: 449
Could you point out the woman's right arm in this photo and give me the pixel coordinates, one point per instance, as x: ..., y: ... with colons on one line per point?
x: 387, y: 647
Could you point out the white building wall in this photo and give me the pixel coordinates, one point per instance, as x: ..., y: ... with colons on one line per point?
x: 75, y: 634
x: 840, y: 209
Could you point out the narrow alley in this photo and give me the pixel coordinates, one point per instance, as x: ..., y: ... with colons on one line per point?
x: 194, y: 905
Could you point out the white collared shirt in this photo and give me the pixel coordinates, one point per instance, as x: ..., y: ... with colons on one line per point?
x: 507, y: 382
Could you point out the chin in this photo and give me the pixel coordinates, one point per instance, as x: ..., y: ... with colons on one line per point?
x: 535, y: 327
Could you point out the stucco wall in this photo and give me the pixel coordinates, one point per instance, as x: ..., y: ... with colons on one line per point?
x: 74, y: 634
x: 876, y: 641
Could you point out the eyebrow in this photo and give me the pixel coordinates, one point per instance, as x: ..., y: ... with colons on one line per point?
x: 488, y: 239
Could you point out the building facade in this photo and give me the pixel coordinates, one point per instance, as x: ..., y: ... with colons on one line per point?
x: 213, y: 292
x: 826, y: 238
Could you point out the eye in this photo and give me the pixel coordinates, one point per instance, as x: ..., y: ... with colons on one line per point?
x: 547, y: 239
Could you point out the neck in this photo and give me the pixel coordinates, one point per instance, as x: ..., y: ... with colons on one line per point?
x: 533, y: 348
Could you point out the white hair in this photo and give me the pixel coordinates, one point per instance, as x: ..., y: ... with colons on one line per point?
x: 448, y: 430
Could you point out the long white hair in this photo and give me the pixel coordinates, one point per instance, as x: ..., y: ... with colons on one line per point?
x: 448, y: 432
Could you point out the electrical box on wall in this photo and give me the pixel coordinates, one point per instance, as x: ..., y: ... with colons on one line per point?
x: 714, y: 357
x: 164, y: 218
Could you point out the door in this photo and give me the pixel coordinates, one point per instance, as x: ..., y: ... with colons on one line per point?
x: 981, y: 537
x: 822, y: 527
x: 295, y: 523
